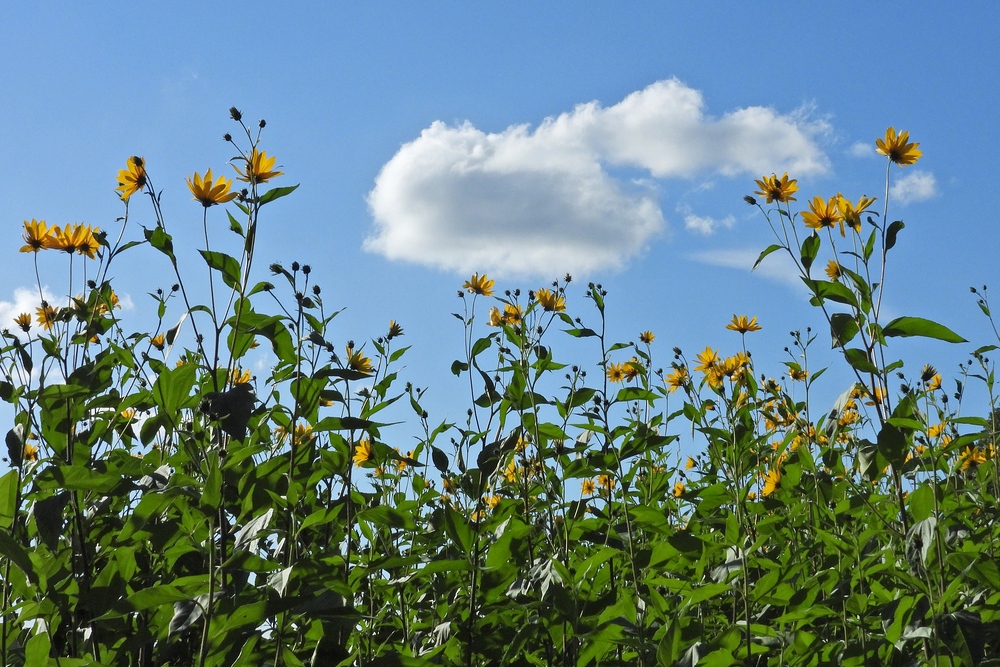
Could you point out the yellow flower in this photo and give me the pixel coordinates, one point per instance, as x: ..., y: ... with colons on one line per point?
x: 798, y: 374
x: 132, y: 179
x: 771, y: 481
x: 741, y: 324
x: 30, y: 453
x: 241, y: 376
x: 934, y: 430
x: 449, y: 484
x: 852, y: 212
x: 128, y: 414
x: 158, y: 341
x: 551, y: 301
x: 934, y: 383
x: 496, y: 317
x: 678, y: 489
x: 690, y: 463
x: 606, y: 482
x: 492, y: 501
x: 112, y: 301
x: 23, y: 321
x: 401, y: 464
x: 37, y: 236
x: 822, y: 213
x: 632, y: 368
x: 777, y: 189
x: 395, y: 330
x: 587, y: 488
x: 833, y: 270
x: 477, y: 284
x: 363, y: 452
x: 510, y: 472
x: 971, y: 457
x: 897, y: 149
x: 356, y: 361
x: 210, y: 191
x: 512, y: 314
x: 88, y: 245
x: 707, y: 359
x: 259, y: 168
x: 615, y: 372
x: 677, y: 379
x: 46, y: 315
x: 646, y: 337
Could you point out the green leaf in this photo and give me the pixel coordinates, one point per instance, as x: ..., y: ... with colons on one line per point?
x: 890, y: 234
x: 826, y: 290
x: 810, y: 248
x: 36, y: 651
x: 234, y: 224
x: 8, y: 499
x: 224, y: 264
x: 276, y: 193
x: 767, y: 251
x: 917, y: 326
x: 159, y: 239
x: 17, y: 555
x: 843, y: 329
x: 859, y: 360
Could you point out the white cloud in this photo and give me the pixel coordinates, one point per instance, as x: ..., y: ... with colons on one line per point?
x: 913, y: 187
x: 706, y: 225
x: 540, y: 201
x: 26, y: 300
x: 776, y: 266
x: 862, y: 149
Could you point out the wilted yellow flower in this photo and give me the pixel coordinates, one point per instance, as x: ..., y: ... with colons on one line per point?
x: 46, y: 315
x: 798, y: 374
x: 37, y: 236
x: 822, y: 213
x: 158, y: 341
x: 833, y: 270
x: 356, y: 361
x: 496, y: 317
x: 646, y: 337
x: 741, y: 324
x: 896, y: 148
x: 23, y: 321
x: 362, y: 452
x: 477, y: 284
x: 771, y: 481
x: 777, y: 189
x: 707, y: 359
x: 587, y: 487
x: 678, y: 489
x: 259, y: 168
x: 852, y: 212
x: 615, y: 372
x: 395, y: 331
x: 677, y: 379
x: 551, y: 301
x: 132, y: 179
x: 211, y: 191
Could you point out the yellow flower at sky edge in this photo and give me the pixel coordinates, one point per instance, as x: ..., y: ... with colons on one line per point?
x: 259, y: 168
x: 743, y: 325
x: 646, y: 337
x: 37, y: 236
x: 210, y: 191
x: 356, y: 361
x: 132, y: 179
x: 707, y: 359
x: 852, y: 212
x: 496, y: 317
x: 23, y: 321
x: 678, y: 489
x: 690, y: 463
x: 240, y: 376
x: 394, y: 330
x: 551, y: 301
x: 158, y: 341
x: 588, y: 487
x: 615, y: 372
x: 897, y: 148
x: 798, y: 374
x: 777, y: 189
x: 632, y: 368
x: 677, y: 379
x: 606, y: 482
x: 512, y: 314
x: 833, y: 270
x: 971, y: 457
x: 822, y: 213
x: 477, y: 284
x: 46, y: 316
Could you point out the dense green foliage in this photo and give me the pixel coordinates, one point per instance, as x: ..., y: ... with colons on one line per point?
x: 162, y: 513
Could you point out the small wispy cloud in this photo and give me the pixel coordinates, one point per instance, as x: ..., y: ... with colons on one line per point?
x: 914, y: 187
x: 776, y: 266
x: 707, y: 225
x: 542, y: 201
x: 862, y: 149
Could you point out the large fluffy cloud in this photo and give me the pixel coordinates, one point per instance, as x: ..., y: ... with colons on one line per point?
x: 913, y: 187
x: 548, y: 201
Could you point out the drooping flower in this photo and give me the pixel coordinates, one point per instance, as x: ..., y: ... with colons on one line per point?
x: 363, y: 452
x: 646, y: 337
x: 211, y: 191
x: 743, y: 325
x: 797, y: 373
x: 132, y: 179
x: 934, y: 383
x: 551, y: 301
x: 158, y: 341
x: 259, y: 168
x: 395, y: 330
x: 833, y: 270
x: 481, y: 285
x: 678, y: 489
x: 852, y: 212
x: 23, y: 321
x: 690, y: 463
x: 822, y: 213
x: 777, y: 189
x: 37, y: 236
x: 897, y: 148
x: 496, y: 317
x: 357, y: 361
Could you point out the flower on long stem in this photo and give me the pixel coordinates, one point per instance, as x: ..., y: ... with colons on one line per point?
x: 211, y: 191
x: 132, y: 179
x: 37, y: 236
x: 777, y: 189
x: 822, y: 213
x: 477, y: 284
x: 259, y: 168
x: 743, y: 325
x: 897, y: 148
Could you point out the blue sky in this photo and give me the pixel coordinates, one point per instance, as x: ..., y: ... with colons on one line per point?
x: 524, y: 139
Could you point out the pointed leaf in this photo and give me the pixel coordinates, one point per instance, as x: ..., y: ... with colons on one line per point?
x: 917, y: 326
